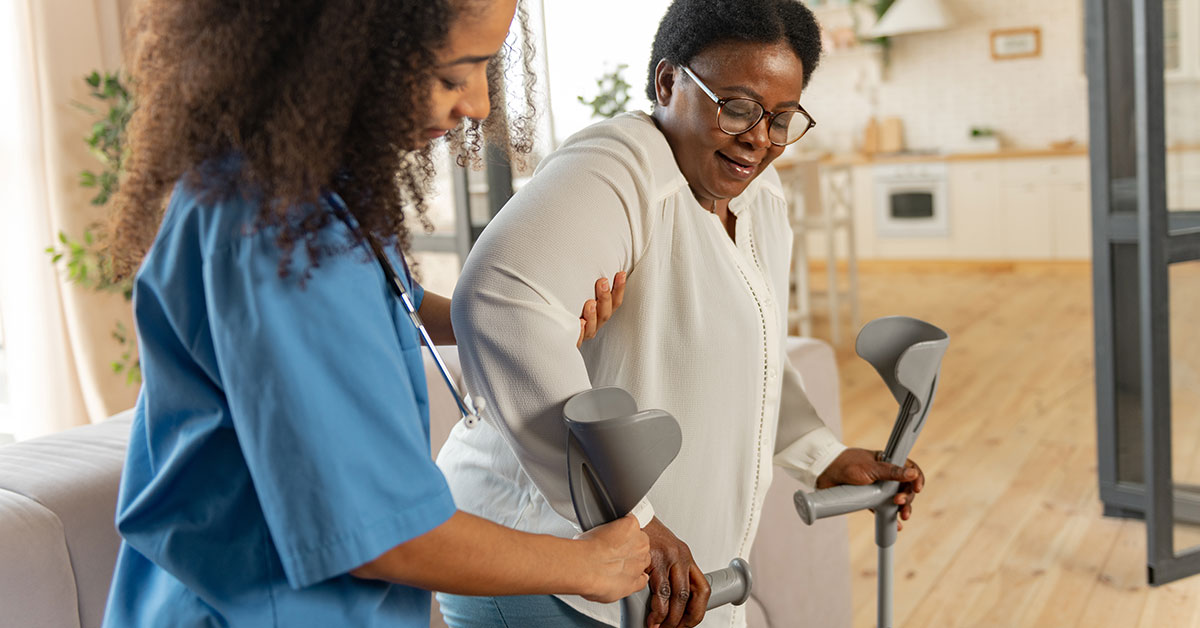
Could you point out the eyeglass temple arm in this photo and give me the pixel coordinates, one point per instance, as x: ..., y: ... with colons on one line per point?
x: 701, y: 84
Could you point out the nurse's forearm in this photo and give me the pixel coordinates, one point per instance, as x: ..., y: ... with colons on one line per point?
x: 468, y: 555
x: 435, y: 313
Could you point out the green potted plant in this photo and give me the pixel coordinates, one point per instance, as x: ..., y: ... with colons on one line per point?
x: 983, y: 139
x: 885, y: 43
x: 612, y: 94
x: 83, y: 260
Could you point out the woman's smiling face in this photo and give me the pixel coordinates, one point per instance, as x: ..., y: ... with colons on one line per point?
x: 719, y: 166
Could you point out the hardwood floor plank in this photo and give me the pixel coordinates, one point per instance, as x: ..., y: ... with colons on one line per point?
x: 1009, y: 531
x: 1121, y: 590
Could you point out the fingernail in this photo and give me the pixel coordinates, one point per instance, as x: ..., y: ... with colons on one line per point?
x: 604, y: 284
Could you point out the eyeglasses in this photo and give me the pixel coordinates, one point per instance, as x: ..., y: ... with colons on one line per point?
x: 738, y: 115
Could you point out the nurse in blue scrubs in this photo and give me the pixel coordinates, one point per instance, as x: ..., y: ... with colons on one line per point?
x: 279, y: 469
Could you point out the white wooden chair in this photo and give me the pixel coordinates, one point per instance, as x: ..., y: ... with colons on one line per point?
x: 821, y: 204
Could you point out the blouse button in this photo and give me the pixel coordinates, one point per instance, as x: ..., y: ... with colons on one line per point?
x: 772, y: 374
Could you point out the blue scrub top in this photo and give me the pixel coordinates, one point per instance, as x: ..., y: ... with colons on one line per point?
x: 281, y: 437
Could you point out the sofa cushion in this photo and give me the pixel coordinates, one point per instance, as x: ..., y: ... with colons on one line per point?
x: 75, y: 476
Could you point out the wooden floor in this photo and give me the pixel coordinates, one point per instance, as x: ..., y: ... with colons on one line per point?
x: 1009, y: 531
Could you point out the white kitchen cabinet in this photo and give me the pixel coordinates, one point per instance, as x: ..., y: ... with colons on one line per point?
x: 1189, y: 195
x: 1183, y: 180
x: 1071, y: 220
x: 975, y: 210
x: 1189, y: 163
x: 1047, y: 207
x: 1027, y: 229
x: 1174, y: 181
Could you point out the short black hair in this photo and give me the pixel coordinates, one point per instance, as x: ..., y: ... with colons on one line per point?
x: 690, y: 26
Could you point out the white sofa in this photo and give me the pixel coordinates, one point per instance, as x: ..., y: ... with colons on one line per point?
x: 58, y: 544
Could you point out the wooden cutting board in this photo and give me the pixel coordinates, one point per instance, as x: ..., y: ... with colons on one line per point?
x: 870, y: 142
x: 891, y: 135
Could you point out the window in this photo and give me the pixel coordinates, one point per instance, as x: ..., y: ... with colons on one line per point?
x: 437, y: 255
x: 1171, y: 40
x: 1181, y: 39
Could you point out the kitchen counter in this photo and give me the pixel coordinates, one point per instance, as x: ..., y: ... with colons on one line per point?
x: 785, y: 162
x: 860, y: 159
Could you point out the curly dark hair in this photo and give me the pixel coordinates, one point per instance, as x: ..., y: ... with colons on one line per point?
x: 311, y: 95
x: 690, y: 26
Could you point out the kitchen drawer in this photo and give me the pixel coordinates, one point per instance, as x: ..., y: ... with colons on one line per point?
x: 1027, y: 227
x: 1070, y: 221
x: 1188, y: 195
x: 974, y: 174
x: 1189, y: 163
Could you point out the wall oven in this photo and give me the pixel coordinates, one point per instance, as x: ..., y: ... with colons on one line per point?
x: 910, y: 200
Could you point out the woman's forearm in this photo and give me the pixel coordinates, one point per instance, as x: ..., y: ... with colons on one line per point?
x: 435, y: 313
x: 468, y: 555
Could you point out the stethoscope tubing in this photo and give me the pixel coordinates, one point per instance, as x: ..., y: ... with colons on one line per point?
x: 465, y: 406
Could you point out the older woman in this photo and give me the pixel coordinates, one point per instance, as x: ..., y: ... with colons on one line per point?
x: 684, y: 200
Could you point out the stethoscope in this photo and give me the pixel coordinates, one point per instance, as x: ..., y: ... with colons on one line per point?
x: 468, y: 408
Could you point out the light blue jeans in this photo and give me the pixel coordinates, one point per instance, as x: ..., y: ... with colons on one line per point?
x: 512, y: 611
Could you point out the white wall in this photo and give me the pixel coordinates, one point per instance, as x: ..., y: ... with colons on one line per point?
x: 942, y: 83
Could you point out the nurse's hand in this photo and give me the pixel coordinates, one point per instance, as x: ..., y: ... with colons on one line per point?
x: 861, y: 466
x: 596, y: 312
x: 620, y: 555
x: 678, y: 590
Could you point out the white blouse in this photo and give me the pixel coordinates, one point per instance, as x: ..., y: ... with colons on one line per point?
x: 700, y: 334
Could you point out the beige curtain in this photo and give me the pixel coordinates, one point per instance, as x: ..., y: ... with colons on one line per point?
x: 58, y: 336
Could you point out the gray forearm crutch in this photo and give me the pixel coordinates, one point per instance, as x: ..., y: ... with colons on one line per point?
x: 614, y: 455
x: 908, y: 355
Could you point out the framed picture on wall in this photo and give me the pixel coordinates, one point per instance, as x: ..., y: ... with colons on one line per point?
x: 1016, y: 43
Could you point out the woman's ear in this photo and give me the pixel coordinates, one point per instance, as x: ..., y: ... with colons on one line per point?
x: 664, y: 82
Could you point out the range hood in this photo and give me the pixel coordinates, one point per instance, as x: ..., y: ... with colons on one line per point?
x: 912, y: 16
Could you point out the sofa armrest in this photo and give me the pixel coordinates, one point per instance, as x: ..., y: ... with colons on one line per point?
x: 37, y: 587
x: 74, y: 476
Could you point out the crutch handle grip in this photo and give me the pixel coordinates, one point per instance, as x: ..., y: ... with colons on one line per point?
x: 730, y: 585
x: 839, y: 500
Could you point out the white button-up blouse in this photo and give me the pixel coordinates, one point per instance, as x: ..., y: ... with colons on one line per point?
x: 700, y: 334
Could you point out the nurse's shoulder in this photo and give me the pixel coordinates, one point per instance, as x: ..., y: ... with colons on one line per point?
x: 210, y: 207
